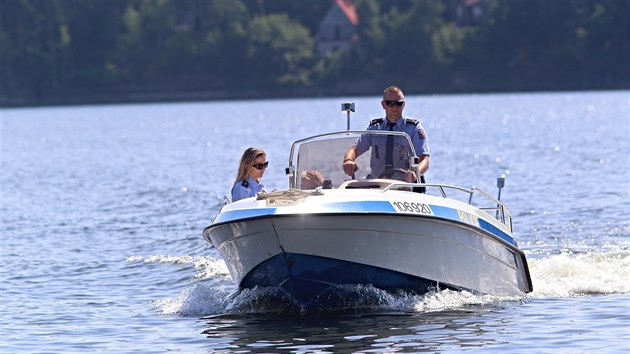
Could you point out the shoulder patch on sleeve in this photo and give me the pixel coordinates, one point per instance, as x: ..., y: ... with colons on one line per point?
x: 422, y: 134
x: 376, y: 121
x: 245, y: 184
x: 411, y: 121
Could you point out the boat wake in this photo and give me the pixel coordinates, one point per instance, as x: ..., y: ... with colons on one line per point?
x: 205, y: 300
x: 205, y: 267
x: 561, y: 275
x: 591, y: 273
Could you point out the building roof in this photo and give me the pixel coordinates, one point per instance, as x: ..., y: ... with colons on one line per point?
x: 349, y: 10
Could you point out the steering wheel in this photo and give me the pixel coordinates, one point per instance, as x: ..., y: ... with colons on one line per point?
x: 394, y: 173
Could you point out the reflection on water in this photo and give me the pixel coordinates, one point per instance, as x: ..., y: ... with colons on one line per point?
x: 378, y: 332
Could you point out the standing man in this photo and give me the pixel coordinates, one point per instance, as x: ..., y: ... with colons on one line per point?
x: 383, y: 156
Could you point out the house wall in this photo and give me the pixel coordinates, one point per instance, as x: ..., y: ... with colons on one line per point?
x: 336, y: 32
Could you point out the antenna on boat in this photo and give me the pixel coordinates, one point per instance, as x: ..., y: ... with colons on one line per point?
x: 347, y: 107
x: 500, y: 185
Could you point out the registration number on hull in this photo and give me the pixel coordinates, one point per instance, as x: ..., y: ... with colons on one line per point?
x: 411, y: 207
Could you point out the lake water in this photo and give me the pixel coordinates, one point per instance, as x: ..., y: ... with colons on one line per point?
x: 102, y: 209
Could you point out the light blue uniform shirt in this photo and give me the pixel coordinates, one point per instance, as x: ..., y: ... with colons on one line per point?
x: 245, y: 189
x: 379, y: 144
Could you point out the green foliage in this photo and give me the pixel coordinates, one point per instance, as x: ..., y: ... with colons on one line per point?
x: 550, y: 45
x: 276, y: 48
x: 447, y: 42
x: 51, y: 49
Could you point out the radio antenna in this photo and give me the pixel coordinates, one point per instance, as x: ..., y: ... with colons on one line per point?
x: 347, y: 107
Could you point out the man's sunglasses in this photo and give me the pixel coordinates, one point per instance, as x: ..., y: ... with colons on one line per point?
x: 260, y: 166
x: 394, y: 103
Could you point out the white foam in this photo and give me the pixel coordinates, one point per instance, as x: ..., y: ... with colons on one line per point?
x: 199, y: 300
x: 449, y: 299
x: 567, y: 275
x: 205, y: 267
x: 205, y: 299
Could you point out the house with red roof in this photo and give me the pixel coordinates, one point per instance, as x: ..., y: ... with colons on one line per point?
x: 338, y: 28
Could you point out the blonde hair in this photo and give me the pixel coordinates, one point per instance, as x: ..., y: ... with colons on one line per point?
x: 392, y: 88
x: 247, y: 160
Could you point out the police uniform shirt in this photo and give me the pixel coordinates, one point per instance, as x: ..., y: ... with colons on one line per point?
x: 245, y: 189
x: 378, y: 144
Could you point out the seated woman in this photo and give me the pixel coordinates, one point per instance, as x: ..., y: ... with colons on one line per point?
x: 249, y: 176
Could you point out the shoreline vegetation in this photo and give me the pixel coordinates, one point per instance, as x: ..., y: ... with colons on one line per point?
x: 148, y: 97
x: 61, y: 52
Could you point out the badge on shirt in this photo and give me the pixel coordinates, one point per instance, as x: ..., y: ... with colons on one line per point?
x: 422, y: 134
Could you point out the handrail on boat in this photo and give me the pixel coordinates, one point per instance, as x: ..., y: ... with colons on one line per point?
x: 503, y: 214
x: 435, y: 185
x: 500, y: 208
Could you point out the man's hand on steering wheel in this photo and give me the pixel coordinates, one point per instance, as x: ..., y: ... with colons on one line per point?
x: 399, y: 174
x: 350, y: 167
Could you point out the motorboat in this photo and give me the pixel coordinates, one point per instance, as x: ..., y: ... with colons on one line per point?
x: 370, y: 230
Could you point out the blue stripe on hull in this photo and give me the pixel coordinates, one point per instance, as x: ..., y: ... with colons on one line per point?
x: 307, y: 276
x: 450, y: 213
x: 362, y: 207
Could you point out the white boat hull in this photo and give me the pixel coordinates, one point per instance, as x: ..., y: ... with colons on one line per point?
x: 307, y: 252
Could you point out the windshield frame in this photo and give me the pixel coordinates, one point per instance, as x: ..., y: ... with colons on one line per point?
x: 334, y: 158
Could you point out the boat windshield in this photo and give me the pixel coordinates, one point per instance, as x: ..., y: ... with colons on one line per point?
x: 318, y: 161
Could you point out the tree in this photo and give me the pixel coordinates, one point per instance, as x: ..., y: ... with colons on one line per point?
x: 276, y: 50
x: 225, y: 42
x: 31, y: 44
x: 93, y: 32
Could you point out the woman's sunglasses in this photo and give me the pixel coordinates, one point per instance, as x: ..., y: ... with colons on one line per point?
x: 260, y: 166
x: 394, y: 103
